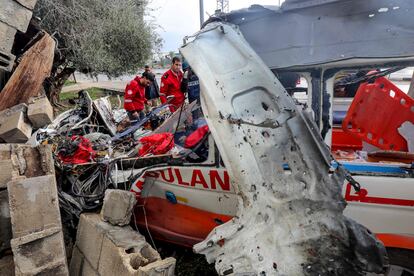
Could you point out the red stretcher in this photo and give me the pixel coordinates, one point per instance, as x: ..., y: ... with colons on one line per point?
x: 376, y: 113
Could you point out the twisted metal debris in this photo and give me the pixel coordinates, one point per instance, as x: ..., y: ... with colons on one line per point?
x: 289, y: 222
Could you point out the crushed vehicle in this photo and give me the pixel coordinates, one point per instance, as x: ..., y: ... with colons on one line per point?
x: 257, y: 190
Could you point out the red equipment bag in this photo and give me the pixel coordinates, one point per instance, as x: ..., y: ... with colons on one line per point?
x: 376, y: 113
x: 156, y: 144
x: 194, y: 138
x: 82, y: 154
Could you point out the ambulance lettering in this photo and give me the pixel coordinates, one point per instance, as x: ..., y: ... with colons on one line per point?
x: 206, y: 179
x: 363, y: 196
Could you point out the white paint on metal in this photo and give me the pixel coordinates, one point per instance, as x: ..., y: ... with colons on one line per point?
x: 287, y: 224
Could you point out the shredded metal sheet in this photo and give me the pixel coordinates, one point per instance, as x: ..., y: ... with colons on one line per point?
x: 288, y: 222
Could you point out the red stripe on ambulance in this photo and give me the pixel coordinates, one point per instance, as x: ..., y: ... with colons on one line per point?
x: 362, y: 196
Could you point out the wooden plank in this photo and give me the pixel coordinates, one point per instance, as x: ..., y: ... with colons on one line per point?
x: 27, y: 79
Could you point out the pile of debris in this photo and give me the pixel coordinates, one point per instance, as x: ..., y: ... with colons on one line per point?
x: 31, y: 225
x: 79, y: 152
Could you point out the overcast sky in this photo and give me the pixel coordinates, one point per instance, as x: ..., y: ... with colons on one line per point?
x: 179, y: 18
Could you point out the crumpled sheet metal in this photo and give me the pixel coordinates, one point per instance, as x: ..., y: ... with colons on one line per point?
x: 327, y: 31
x: 289, y: 222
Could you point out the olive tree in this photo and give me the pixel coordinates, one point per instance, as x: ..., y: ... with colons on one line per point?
x: 109, y: 37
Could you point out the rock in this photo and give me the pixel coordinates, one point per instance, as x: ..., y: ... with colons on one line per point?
x: 117, y: 207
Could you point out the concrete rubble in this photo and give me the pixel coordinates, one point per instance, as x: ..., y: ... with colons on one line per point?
x: 117, y: 207
x: 5, y: 224
x: 14, y: 126
x: 103, y: 248
x: 40, y: 112
x: 15, y: 16
x: 18, y: 122
x: 37, y: 244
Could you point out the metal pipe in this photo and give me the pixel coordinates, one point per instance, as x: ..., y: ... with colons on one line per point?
x: 201, y: 12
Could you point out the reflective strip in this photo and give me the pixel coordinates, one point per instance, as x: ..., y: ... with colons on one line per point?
x: 128, y: 101
x: 193, y: 83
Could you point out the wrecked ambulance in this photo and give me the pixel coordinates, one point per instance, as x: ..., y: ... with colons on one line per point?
x: 184, y: 202
x: 265, y: 154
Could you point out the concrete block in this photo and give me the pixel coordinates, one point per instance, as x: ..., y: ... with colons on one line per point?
x: 15, y: 15
x: 7, y: 266
x: 124, y: 252
x: 37, y: 243
x: 117, y: 207
x: 30, y: 4
x: 32, y: 162
x: 40, y: 253
x: 114, y: 250
x: 76, y: 262
x: 87, y: 270
x: 6, y: 166
x: 6, y: 172
x: 6, y: 61
x: 34, y: 205
x: 164, y: 267
x: 7, y: 34
x: 40, y: 112
x: 79, y: 265
x: 89, y: 238
x: 14, y: 128
x: 5, y: 224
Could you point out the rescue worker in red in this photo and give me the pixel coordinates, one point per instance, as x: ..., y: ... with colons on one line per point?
x: 134, y: 99
x: 171, y: 85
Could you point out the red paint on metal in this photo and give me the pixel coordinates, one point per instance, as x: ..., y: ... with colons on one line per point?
x: 362, y: 196
x: 224, y: 184
x: 198, y: 178
x: 397, y: 240
x: 176, y: 223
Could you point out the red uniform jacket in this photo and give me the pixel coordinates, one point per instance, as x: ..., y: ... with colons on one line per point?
x: 170, y: 86
x: 134, y: 99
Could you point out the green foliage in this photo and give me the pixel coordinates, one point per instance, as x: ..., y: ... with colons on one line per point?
x: 100, y: 36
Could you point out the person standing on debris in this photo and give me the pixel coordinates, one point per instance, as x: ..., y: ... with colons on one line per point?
x: 152, y: 92
x: 191, y: 85
x: 171, y: 85
x: 134, y: 99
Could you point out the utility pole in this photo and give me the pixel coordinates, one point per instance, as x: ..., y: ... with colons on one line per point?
x: 201, y: 13
x: 223, y: 5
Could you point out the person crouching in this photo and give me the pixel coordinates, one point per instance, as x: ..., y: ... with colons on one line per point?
x: 134, y: 99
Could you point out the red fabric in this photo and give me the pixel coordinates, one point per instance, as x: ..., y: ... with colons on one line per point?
x: 171, y: 86
x: 83, y: 154
x: 156, y: 144
x: 194, y: 138
x: 134, y: 99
